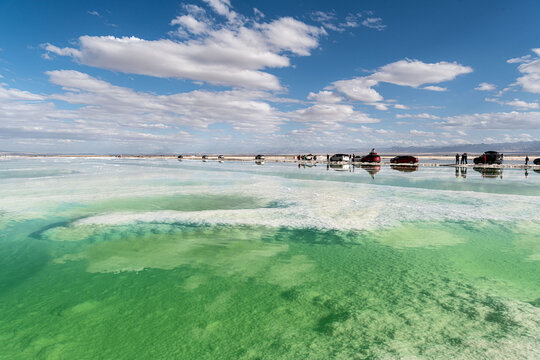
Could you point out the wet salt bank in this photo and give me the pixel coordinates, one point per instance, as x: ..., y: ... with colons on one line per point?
x: 150, y: 258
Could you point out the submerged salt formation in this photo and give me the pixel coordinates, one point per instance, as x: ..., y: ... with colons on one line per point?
x: 159, y: 259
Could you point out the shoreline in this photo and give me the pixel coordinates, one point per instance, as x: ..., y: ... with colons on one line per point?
x: 424, y: 160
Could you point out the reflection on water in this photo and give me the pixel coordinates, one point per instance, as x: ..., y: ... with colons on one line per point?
x: 461, y: 171
x: 404, y: 168
x: 340, y: 167
x: 259, y: 162
x: 371, y: 169
x: 490, y: 173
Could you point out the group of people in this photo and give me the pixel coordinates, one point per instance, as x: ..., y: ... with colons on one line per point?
x: 307, y: 157
x: 463, y: 158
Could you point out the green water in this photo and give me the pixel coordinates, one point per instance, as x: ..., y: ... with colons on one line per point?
x: 251, y: 265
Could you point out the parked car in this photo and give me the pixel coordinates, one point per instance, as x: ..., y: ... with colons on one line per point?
x: 339, y: 158
x: 221, y: 157
x: 205, y: 157
x: 536, y: 161
x: 404, y: 159
x: 180, y: 156
x: 369, y: 158
x: 259, y: 157
x: 489, y: 157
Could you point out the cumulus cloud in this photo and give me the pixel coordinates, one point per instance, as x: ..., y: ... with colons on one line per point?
x: 434, y: 88
x: 523, y: 105
x: 502, y: 121
x: 520, y: 104
x: 332, y: 115
x: 418, y: 116
x: 196, y: 109
x: 485, y: 87
x: 413, y: 73
x: 231, y: 54
x: 401, y: 107
x: 530, y: 69
x: 359, y: 89
x: 325, y: 97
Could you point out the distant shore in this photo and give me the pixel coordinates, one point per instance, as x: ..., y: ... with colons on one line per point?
x: 423, y: 160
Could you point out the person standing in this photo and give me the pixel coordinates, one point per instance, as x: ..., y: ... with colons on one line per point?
x: 465, y: 154
x: 502, y: 158
x: 457, y: 158
x: 327, y: 158
x: 526, y: 160
x: 463, y: 158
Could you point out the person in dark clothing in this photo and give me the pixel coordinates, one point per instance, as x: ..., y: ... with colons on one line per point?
x: 502, y: 157
x: 526, y: 160
x: 463, y: 158
x: 457, y: 158
x: 327, y: 157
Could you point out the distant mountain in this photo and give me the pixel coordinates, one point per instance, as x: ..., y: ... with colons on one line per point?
x: 522, y: 147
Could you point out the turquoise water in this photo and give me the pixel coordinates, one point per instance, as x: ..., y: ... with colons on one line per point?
x: 147, y: 259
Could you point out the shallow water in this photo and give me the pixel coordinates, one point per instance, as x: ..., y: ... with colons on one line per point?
x: 124, y: 259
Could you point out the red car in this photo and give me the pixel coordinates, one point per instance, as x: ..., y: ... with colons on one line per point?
x: 404, y: 159
x: 371, y: 157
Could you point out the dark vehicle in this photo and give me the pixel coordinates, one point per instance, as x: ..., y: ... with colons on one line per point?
x: 180, y: 156
x: 205, y: 157
x: 404, y: 159
x: 369, y: 158
x: 259, y: 157
x: 489, y: 173
x: 404, y: 168
x: 536, y: 161
x: 489, y: 157
x: 221, y: 157
x: 339, y: 158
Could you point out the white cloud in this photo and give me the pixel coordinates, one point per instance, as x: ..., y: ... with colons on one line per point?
x: 258, y: 13
x: 191, y: 24
x: 523, y: 105
x: 325, y: 97
x: 359, y: 89
x: 196, y: 109
x: 520, y: 104
x: 530, y: 69
x: 401, y: 107
x: 434, y: 88
x: 418, y: 116
x: 332, y: 115
x: 421, y: 133
x: 15, y: 94
x: 232, y: 55
x: 223, y: 7
x: 413, y: 73
x: 485, y: 87
x: 519, y: 59
x: 416, y: 73
x: 502, y: 120
x: 374, y: 23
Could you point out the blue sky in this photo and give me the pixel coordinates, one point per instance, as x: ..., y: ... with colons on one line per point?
x: 250, y: 76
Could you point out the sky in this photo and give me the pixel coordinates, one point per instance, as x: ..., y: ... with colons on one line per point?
x: 226, y: 76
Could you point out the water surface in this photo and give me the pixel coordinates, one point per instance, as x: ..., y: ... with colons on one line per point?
x: 125, y: 259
